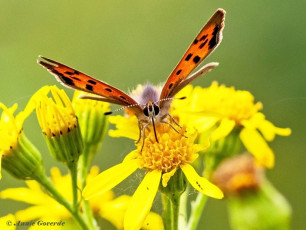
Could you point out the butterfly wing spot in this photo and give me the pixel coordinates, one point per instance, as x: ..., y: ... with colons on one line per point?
x: 170, y: 86
x: 69, y: 73
x: 179, y: 71
x: 203, y: 44
x: 75, y: 78
x: 89, y: 87
x: 196, y: 59
x: 203, y: 37
x: 92, y: 82
x: 188, y: 57
x: 195, y: 41
x: 214, y: 39
x: 67, y: 80
x: 123, y: 97
x: 108, y: 89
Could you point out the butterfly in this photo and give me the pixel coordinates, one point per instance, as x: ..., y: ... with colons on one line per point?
x: 152, y: 105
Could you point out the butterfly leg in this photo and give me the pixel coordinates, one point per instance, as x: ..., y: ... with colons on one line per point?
x: 167, y: 122
x: 140, y: 131
x: 175, y: 122
x: 144, y: 135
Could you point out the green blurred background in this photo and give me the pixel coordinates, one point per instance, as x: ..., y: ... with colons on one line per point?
x: 129, y: 42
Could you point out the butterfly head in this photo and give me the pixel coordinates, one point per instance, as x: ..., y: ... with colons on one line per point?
x: 151, y: 109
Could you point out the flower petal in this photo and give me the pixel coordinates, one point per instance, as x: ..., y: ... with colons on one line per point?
x: 34, y: 186
x: 41, y: 212
x: 114, y: 210
x: 0, y: 166
x: 201, y: 122
x: 142, y: 200
x: 254, y: 121
x: 268, y: 130
x: 131, y: 156
x: 225, y: 127
x: 200, y: 183
x: 153, y: 222
x: 109, y: 178
x: 282, y: 131
x: 256, y: 145
x: 166, y: 177
x: 25, y: 195
x: 31, y: 105
x: 125, y: 127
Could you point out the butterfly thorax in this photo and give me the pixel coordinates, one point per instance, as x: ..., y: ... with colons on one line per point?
x: 149, y: 93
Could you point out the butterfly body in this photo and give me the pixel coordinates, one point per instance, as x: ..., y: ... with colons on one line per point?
x: 151, y: 105
x: 149, y: 99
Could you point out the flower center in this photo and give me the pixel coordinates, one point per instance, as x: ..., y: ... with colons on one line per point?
x: 171, y: 150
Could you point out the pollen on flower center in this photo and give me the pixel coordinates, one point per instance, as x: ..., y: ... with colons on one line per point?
x: 172, y: 149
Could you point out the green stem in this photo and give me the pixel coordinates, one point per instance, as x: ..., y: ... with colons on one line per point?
x: 197, y: 208
x: 44, y: 181
x: 74, y: 182
x: 175, y: 207
x: 88, y: 215
x: 166, y: 212
x: 183, y: 210
x: 84, y: 163
x: 198, y: 205
x: 171, y: 214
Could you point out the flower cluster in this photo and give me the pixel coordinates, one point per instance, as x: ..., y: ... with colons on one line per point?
x: 214, y: 121
x: 219, y: 110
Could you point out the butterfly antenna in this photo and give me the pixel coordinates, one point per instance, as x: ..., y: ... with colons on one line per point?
x: 171, y: 98
x: 116, y: 110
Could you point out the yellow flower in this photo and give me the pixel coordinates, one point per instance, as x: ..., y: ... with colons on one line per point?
x: 91, y: 117
x: 238, y: 174
x: 42, y: 205
x: 219, y: 109
x: 253, y: 202
x: 114, y: 212
x: 13, y: 141
x: 161, y: 161
x: 93, y: 124
x: 10, y: 128
x: 59, y: 125
x: 45, y: 208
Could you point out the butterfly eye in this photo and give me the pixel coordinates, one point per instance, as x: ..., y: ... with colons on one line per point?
x: 156, y: 109
x: 146, y: 111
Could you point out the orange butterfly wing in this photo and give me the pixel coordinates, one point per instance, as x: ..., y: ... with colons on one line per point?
x: 207, y: 40
x: 74, y: 79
